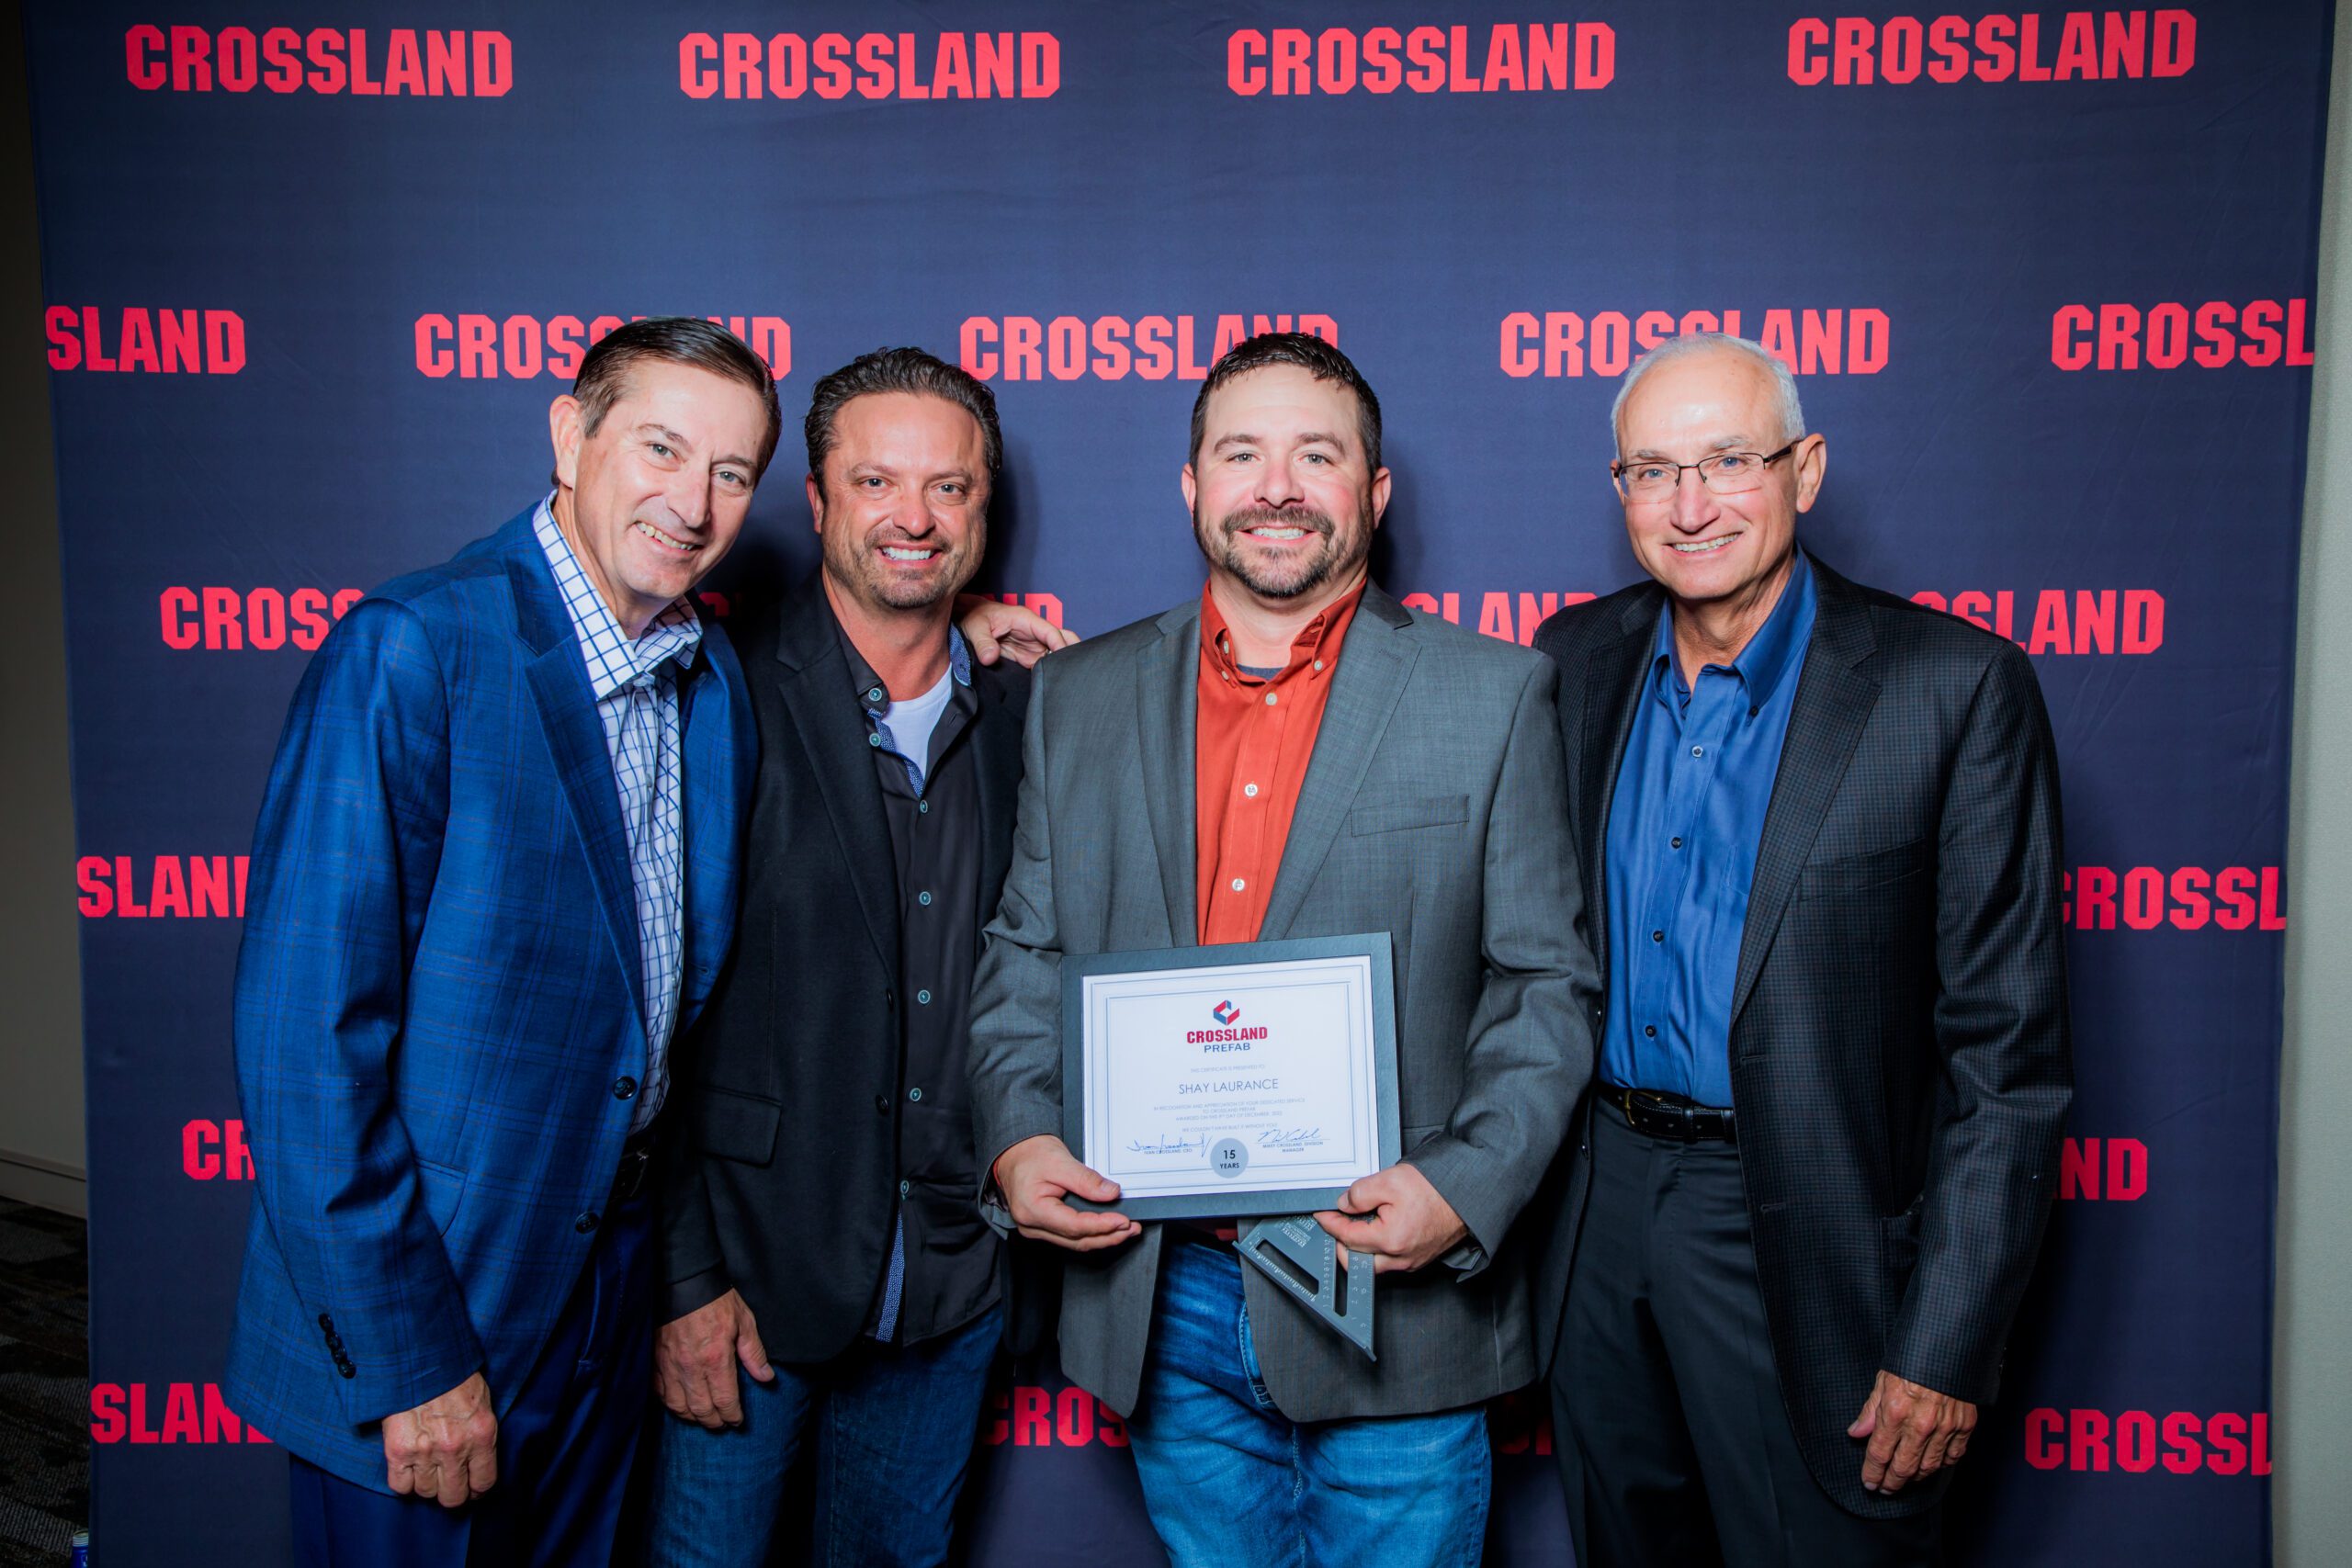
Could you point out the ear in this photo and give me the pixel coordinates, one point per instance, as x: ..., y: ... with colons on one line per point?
x: 816, y: 503
x: 1380, y: 488
x: 1812, y: 466
x: 565, y: 431
x: 1190, y: 486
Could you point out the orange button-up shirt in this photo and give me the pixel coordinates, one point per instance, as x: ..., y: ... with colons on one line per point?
x: 1252, y: 739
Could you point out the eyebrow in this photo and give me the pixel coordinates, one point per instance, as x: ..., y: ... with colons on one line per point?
x: 1307, y: 438
x: 651, y: 428
x: 1719, y: 444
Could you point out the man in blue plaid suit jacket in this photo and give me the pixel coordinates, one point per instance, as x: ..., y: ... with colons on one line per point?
x: 494, y: 875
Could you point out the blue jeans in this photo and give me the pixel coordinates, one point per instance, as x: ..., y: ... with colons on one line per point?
x: 899, y: 1423
x: 1229, y: 1479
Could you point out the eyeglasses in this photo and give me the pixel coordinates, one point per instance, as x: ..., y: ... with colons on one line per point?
x: 1725, y: 473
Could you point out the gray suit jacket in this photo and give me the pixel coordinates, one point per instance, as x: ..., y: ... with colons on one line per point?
x: 1431, y: 811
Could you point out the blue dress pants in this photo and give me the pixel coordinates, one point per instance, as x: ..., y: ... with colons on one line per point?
x: 565, y: 1445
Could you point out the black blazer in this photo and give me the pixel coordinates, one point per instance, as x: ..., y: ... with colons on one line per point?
x: 781, y: 1176
x: 1900, y: 1059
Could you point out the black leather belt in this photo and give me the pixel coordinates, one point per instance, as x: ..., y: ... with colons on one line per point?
x: 636, y: 1164
x: 1655, y: 1113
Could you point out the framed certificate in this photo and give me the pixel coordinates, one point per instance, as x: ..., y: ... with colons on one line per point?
x: 1250, y: 1078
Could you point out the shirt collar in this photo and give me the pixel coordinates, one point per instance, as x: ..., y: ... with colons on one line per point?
x: 1317, y: 642
x: 875, y: 696
x: 1777, y: 648
x: 615, y: 659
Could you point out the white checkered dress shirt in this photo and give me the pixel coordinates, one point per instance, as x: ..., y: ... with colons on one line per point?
x: 637, y: 696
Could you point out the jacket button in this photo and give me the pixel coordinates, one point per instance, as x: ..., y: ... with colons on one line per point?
x: 585, y: 1223
x: 347, y: 1369
x: 889, y: 998
x: 623, y: 1088
x: 882, y: 1103
x: 326, y: 1323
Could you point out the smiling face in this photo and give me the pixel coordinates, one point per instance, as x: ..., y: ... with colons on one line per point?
x: 902, y: 503
x: 1282, y: 502
x: 655, y: 496
x: 1729, y: 551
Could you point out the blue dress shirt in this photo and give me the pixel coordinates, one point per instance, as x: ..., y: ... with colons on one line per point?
x: 1684, y: 826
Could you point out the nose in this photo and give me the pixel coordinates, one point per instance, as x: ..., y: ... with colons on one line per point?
x: 689, y: 499
x: 1277, y: 486
x: 1694, y: 504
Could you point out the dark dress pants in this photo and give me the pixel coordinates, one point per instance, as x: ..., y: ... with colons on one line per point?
x: 1675, y: 1445
x: 565, y: 1445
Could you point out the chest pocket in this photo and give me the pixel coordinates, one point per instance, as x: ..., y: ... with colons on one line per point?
x: 1398, y: 815
x: 1850, y: 874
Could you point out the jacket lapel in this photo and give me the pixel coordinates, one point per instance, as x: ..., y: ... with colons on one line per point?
x: 1833, y: 703
x: 1166, y: 699
x: 1373, y: 665
x: 575, y: 736
x: 996, y: 762
x: 814, y: 681
x: 1613, y: 692
x: 716, y: 760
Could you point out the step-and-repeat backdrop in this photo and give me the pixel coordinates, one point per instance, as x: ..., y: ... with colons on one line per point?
x: 314, y: 273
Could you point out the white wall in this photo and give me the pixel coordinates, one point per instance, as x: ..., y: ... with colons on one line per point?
x: 2311, y: 1377
x: 41, y: 969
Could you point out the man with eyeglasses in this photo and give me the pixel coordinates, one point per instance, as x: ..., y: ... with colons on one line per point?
x: 1818, y: 829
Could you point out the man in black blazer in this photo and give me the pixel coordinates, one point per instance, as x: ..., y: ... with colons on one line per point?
x: 819, y: 1224
x: 1818, y: 829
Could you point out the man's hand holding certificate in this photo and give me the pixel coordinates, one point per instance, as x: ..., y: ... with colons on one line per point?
x: 1037, y: 1175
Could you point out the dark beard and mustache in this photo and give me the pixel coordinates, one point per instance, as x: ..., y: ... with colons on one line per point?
x: 1315, y: 571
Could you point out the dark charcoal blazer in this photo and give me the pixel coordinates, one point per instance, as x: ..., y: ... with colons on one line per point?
x: 1431, y: 811
x: 782, y: 1182
x: 1900, y: 1058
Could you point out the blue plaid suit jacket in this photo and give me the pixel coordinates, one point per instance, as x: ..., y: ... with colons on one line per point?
x: 438, y: 995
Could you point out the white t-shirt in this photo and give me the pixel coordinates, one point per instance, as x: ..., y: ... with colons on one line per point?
x: 912, y: 720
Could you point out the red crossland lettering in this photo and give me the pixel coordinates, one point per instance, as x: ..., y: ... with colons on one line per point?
x: 216, y: 1151
x: 2112, y: 1169
x: 1047, y: 607
x: 137, y: 339
x: 325, y: 60
x: 1507, y: 616
x: 181, y: 886
x: 1031, y: 1416
x: 1839, y: 339
x: 2188, y: 898
x: 191, y: 1413
x: 230, y: 619
x: 1535, y: 58
x: 2080, y: 46
x: 1519, y: 1425
x: 874, y: 65
x: 2139, y: 1442
x: 1111, y: 348
x: 520, y: 347
x: 2168, y: 336
x: 2088, y: 620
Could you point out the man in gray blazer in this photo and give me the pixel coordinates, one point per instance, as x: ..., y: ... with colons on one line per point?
x: 1295, y: 754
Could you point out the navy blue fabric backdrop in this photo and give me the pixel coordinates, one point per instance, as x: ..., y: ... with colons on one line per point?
x: 312, y: 276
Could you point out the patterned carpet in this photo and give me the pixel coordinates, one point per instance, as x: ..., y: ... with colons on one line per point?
x: 44, y: 1386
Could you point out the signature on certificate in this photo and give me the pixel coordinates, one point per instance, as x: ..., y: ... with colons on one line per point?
x: 1168, y: 1144
x: 1290, y: 1138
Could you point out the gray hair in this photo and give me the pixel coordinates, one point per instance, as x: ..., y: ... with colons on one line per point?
x: 1784, y: 384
